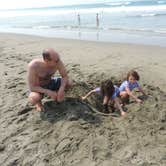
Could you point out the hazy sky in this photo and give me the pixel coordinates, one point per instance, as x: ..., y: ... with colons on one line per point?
x: 13, y: 4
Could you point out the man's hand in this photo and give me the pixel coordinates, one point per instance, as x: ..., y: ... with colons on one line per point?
x: 52, y: 94
x: 60, y: 95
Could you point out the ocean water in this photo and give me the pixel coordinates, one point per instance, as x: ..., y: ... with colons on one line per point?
x: 130, y: 21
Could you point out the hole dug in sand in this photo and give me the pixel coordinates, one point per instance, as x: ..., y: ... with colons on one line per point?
x: 72, y: 109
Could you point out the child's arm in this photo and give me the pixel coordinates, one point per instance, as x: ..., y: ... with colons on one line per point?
x: 134, y: 97
x: 118, y: 105
x: 88, y: 94
x: 140, y: 89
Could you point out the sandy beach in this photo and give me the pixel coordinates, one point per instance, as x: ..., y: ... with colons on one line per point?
x: 72, y: 133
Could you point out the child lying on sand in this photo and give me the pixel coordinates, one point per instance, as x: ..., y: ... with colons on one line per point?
x: 109, y: 92
x: 128, y: 85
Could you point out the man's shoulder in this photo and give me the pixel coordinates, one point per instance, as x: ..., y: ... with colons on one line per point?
x: 35, y: 63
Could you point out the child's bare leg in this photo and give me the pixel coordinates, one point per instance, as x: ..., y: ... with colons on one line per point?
x: 119, y: 106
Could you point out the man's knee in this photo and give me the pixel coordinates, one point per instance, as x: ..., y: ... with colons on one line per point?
x: 34, y: 98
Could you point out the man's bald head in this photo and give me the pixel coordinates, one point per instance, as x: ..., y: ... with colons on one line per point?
x: 50, y: 54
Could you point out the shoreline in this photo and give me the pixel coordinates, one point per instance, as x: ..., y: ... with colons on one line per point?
x: 80, y: 40
x: 113, y: 36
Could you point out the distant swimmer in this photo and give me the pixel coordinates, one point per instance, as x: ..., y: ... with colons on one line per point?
x: 41, y: 80
x: 97, y: 20
x: 79, y: 20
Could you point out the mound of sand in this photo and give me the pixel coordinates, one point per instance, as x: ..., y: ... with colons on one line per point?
x: 72, y: 134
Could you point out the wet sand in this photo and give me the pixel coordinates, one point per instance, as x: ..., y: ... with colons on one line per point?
x: 72, y: 133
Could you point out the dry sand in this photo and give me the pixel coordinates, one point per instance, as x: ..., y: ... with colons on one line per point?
x: 71, y: 133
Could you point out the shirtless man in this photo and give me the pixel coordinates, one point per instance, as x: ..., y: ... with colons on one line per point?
x: 41, y: 80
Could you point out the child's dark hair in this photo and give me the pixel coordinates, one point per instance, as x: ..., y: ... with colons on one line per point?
x: 107, y: 88
x: 134, y: 74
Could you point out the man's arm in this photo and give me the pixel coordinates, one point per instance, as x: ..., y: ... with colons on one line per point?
x: 63, y: 74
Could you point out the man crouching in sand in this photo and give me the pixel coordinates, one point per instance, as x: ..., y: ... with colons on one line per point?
x: 41, y: 80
